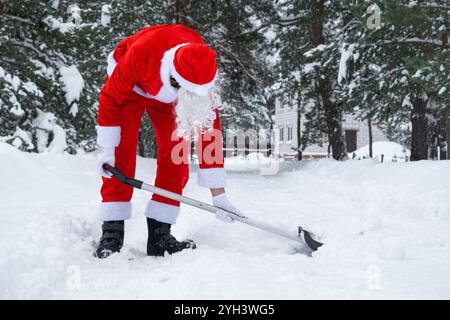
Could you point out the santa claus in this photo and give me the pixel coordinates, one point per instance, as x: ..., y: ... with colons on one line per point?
x: 170, y: 73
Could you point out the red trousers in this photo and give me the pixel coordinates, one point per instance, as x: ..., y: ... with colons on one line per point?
x: 170, y: 176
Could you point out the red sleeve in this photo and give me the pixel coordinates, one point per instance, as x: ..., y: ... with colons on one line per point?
x: 125, y: 75
x: 211, y: 147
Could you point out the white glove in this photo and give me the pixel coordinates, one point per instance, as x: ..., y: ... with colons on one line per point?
x: 106, y: 155
x: 221, y: 201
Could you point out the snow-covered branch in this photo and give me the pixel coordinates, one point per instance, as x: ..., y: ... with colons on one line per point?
x: 31, y: 47
x: 431, y: 5
x: 262, y: 26
x: 22, y: 20
x: 233, y: 56
x: 286, y: 21
x: 428, y: 42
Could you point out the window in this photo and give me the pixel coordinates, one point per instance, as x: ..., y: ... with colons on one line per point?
x: 281, y: 134
x: 290, y: 133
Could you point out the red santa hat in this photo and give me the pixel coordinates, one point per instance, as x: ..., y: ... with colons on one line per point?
x: 194, y: 67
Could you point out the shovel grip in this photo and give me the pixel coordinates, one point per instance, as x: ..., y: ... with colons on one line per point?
x: 121, y: 177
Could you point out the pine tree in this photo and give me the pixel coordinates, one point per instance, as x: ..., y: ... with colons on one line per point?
x: 308, y: 47
x: 31, y: 95
x: 397, y: 73
x: 244, y: 73
x: 45, y: 47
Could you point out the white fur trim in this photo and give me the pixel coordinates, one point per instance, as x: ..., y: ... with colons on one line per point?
x: 167, y: 66
x: 113, y: 211
x: 162, y: 212
x: 111, y: 63
x: 212, y: 178
x: 199, y: 89
x: 108, y: 137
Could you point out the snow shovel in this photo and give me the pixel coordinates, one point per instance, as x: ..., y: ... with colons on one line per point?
x: 302, y: 236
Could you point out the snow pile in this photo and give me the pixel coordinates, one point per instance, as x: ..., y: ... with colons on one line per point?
x: 59, y: 25
x: 385, y: 226
x: 106, y: 15
x: 20, y: 139
x: 45, y: 123
x: 251, y: 162
x: 346, y: 54
x: 310, y: 67
x: 73, y: 83
x: 391, y: 152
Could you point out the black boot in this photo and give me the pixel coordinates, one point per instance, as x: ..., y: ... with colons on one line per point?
x: 160, y: 240
x: 111, y: 240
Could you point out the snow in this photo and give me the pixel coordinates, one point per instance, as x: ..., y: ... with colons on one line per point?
x: 19, y: 138
x: 74, y: 110
x: 391, y: 151
x: 57, y: 24
x: 252, y: 162
x: 313, y: 51
x: 346, y: 54
x: 385, y: 226
x: 73, y: 83
x: 407, y: 101
x: 106, y: 15
x: 16, y: 83
x: 16, y: 108
x: 309, y: 67
x: 45, y: 123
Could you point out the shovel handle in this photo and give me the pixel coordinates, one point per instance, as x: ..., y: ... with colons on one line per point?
x: 302, y: 236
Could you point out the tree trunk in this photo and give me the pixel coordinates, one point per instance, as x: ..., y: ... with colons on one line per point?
x: 332, y: 114
x: 442, y: 134
x: 369, y: 125
x: 180, y: 12
x: 446, y: 113
x: 299, y: 128
x: 419, y: 130
x: 333, y: 121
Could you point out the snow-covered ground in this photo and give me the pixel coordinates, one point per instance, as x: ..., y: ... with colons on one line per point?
x: 389, y: 151
x: 386, y: 228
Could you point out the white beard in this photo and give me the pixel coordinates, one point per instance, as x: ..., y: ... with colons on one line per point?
x: 195, y: 114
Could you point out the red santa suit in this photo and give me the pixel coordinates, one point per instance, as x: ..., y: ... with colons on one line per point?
x: 139, y: 71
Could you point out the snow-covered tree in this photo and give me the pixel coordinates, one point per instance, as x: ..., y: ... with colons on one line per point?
x: 397, y: 71
x: 34, y: 74
x: 309, y: 34
x: 242, y: 55
x: 54, y: 63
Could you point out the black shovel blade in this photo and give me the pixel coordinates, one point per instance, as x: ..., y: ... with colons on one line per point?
x: 309, y: 241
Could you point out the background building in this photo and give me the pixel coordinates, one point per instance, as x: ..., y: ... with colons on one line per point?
x: 356, y: 132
